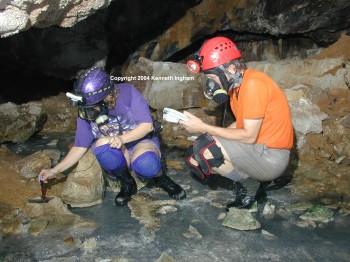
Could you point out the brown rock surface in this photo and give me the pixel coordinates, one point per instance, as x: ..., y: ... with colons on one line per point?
x: 338, y: 49
x: 15, y: 190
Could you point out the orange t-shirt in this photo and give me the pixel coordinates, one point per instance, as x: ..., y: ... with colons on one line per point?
x: 260, y: 97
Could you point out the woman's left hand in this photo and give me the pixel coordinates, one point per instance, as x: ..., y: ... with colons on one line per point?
x: 115, y: 142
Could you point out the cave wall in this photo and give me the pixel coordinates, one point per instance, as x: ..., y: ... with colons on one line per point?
x: 45, y: 56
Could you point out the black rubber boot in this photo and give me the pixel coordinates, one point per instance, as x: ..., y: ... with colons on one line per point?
x: 128, y: 188
x: 169, y: 186
x: 261, y: 195
x: 244, y: 201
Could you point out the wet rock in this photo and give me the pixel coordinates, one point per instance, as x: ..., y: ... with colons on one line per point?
x: 85, y: 184
x: 212, y: 193
x: 216, y: 204
x: 20, y: 122
x: 37, y: 226
x: 305, y: 224
x: 221, y: 216
x: 300, y: 206
x: 166, y: 209
x: 345, y: 211
x: 54, y: 215
x: 253, y: 208
x: 192, y: 232
x: 187, y: 188
x: 72, y: 243
x: 318, y: 213
x: 89, y: 244
x: 118, y: 259
x: 240, y: 219
x: 327, y: 201
x: 199, y: 199
x: 268, y: 211
x: 164, y: 258
x: 144, y: 208
x: 283, y: 214
x: 30, y: 166
x: 52, y: 142
x: 267, y: 235
x: 321, y: 225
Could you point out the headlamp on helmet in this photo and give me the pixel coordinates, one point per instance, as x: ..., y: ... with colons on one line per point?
x: 75, y: 100
x: 195, y: 65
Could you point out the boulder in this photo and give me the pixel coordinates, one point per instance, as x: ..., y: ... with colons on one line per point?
x: 20, y: 122
x: 30, y: 166
x: 165, y: 84
x: 85, y: 185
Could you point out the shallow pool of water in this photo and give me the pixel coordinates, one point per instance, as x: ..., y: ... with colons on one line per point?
x: 119, y: 235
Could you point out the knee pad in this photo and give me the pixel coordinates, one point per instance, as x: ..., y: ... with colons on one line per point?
x: 196, y: 151
x: 195, y: 169
x: 110, y: 158
x: 147, y: 165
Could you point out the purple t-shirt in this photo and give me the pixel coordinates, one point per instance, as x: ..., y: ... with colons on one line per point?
x: 130, y: 110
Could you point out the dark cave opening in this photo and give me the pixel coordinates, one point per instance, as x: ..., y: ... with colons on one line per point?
x: 131, y: 24
x: 113, y: 34
x: 24, y: 85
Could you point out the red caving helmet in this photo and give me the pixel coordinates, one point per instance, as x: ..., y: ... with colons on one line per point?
x: 214, y: 52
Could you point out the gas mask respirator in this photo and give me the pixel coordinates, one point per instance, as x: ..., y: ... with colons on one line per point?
x: 97, y: 112
x: 213, y: 91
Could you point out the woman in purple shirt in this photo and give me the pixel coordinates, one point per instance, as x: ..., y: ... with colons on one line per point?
x: 115, y: 122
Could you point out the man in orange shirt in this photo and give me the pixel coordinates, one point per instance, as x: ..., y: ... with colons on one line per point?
x: 258, y: 143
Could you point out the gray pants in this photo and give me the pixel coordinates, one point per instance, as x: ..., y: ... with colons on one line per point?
x: 256, y: 161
